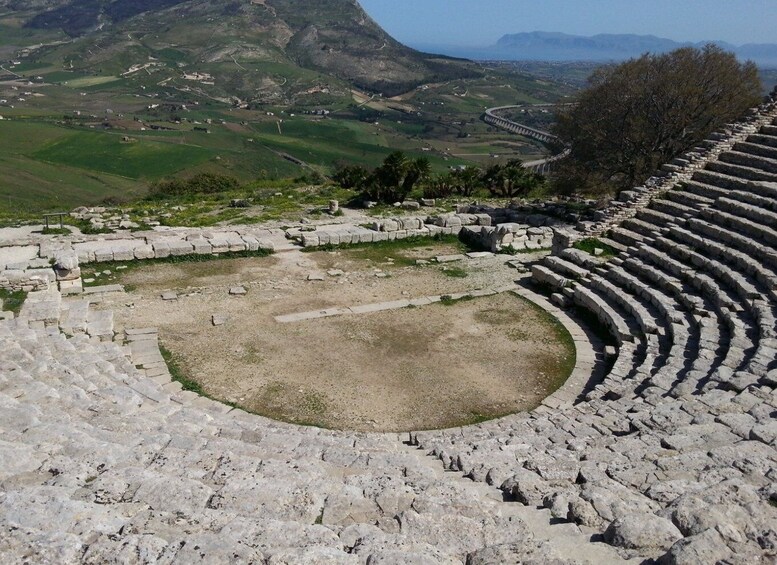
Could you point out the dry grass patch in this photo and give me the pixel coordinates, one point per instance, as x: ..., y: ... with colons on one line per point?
x: 433, y: 366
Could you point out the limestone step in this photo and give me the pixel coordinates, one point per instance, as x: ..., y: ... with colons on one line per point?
x: 74, y: 316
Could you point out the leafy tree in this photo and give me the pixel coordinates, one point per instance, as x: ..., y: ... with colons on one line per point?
x: 441, y: 186
x: 511, y: 179
x: 350, y: 176
x: 462, y: 182
x: 637, y: 115
x: 396, y: 178
x: 468, y: 181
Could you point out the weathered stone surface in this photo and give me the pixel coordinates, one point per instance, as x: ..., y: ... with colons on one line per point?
x: 706, y: 547
x: 641, y: 531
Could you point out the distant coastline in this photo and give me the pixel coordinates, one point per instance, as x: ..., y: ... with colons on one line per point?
x: 603, y: 48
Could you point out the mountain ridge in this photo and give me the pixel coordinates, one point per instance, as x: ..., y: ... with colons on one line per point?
x: 558, y: 46
x: 331, y: 37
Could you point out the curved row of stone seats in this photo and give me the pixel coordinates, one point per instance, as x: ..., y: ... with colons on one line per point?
x: 730, y: 288
x: 694, y: 465
x: 751, y: 161
x: 698, y: 333
x: 100, y: 464
x: 660, y: 341
x: 682, y: 455
x: 751, y: 294
x: 764, y: 137
x: 664, y: 332
x: 582, y: 296
x: 665, y: 350
x: 726, y: 306
x: 626, y: 236
x: 653, y: 321
x: 672, y: 208
x: 716, y: 242
x: 765, y: 255
x: 632, y: 347
x: 751, y: 147
x: 716, y: 181
x: 755, y: 193
x: 678, y: 326
x: 689, y: 199
x: 745, y: 226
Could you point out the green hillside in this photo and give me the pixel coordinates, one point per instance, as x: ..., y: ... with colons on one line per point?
x: 255, y: 90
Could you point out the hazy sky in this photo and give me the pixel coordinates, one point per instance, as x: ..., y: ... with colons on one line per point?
x: 482, y: 22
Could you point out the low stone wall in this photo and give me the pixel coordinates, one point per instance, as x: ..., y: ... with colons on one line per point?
x: 387, y: 230
x: 160, y: 245
x: 479, y: 228
x: 28, y: 280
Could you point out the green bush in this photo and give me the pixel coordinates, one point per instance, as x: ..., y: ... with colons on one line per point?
x: 204, y: 183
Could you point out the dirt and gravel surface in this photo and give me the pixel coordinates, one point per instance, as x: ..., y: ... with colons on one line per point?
x: 413, y: 368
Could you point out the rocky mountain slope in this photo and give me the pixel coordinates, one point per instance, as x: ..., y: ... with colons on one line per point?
x: 249, y: 48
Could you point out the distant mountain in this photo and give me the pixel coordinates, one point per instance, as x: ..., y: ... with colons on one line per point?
x: 539, y: 45
x: 551, y: 46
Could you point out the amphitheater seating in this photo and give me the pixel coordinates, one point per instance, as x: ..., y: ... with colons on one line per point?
x: 102, y: 464
x: 679, y: 428
x: 671, y: 456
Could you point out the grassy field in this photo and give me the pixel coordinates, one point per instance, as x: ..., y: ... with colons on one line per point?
x: 109, y: 154
x: 62, y: 144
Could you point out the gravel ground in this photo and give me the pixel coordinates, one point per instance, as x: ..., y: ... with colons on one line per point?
x: 427, y: 367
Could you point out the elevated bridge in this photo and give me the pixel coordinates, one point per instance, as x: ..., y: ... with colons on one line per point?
x: 542, y: 166
x: 491, y: 117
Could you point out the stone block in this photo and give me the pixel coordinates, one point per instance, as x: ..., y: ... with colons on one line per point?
x: 389, y: 225
x: 123, y: 253
x: 219, y: 245
x: 252, y: 244
x: 70, y: 287
x: 483, y: 219
x: 310, y: 240
x: 68, y: 275
x: 161, y: 249
x: 103, y: 255
x: 201, y: 247
x: 144, y: 252
x: 180, y: 248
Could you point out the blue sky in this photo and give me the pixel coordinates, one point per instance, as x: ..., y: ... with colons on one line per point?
x: 482, y: 22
